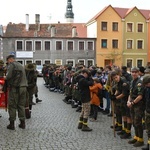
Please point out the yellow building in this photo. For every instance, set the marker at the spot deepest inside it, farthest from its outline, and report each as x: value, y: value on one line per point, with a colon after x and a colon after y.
x: 122, y: 36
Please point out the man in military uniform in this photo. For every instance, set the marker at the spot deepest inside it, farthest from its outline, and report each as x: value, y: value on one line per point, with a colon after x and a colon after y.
x: 146, y: 83
x: 31, y: 80
x: 121, y: 97
x: 17, y: 95
x: 136, y: 105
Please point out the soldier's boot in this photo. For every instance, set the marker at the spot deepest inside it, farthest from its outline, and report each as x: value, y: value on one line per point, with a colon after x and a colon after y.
x: 80, y: 123
x: 122, y: 132
x: 126, y: 136
x: 22, y: 124
x: 38, y: 100
x: 119, y: 128
x: 134, y: 140
x: 85, y: 126
x: 146, y: 147
x: 11, y: 126
x: 138, y: 143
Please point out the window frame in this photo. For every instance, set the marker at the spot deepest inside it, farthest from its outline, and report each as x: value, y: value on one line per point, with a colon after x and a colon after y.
x: 61, y: 45
x: 16, y: 45
x: 26, y: 45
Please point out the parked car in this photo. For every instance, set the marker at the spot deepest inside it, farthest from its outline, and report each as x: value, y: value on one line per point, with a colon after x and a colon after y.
x: 39, y: 70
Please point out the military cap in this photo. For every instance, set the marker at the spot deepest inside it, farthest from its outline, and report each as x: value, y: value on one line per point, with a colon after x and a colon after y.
x: 146, y: 79
x: 10, y: 56
x: 134, y: 69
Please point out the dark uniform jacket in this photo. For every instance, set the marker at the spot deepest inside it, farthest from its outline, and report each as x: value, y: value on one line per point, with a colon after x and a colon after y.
x: 84, y: 90
x: 136, y: 89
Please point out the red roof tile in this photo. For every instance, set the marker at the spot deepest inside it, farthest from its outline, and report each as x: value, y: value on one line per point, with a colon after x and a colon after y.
x: 62, y: 30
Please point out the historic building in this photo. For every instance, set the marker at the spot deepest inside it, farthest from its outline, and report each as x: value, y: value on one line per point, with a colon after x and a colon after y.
x: 60, y: 43
x: 122, y: 36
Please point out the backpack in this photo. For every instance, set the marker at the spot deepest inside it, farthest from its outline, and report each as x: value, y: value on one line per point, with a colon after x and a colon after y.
x: 17, y: 77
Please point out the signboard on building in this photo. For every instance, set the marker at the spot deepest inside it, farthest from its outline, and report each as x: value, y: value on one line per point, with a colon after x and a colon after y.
x: 24, y: 54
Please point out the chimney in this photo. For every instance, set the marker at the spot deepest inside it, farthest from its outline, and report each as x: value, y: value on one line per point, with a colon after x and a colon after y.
x: 53, y: 30
x: 27, y: 22
x: 74, y: 31
x: 37, y: 22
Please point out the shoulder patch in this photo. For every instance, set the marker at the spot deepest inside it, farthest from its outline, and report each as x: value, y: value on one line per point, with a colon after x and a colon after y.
x: 139, y: 84
x: 124, y: 84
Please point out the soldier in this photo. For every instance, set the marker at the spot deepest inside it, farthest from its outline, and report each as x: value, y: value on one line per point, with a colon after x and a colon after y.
x: 17, y: 83
x: 136, y: 105
x: 146, y: 83
x: 31, y: 79
x: 121, y: 96
x: 83, y: 83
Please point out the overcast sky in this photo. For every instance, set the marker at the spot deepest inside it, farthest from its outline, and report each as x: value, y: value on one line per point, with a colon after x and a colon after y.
x: 52, y: 11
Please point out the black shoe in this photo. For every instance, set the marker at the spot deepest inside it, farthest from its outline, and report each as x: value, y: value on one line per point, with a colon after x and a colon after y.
x: 38, y: 100
x: 138, y: 144
x: 122, y: 132
x: 132, y: 141
x: 119, y: 128
x: 126, y: 136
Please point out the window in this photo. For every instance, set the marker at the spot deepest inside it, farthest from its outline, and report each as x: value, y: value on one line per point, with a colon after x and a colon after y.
x: 47, y: 61
x: 139, y: 63
x: 104, y: 26
x: 115, y: 43
x: 47, y: 45
x: 70, y: 62
x: 58, y: 45
x: 19, y: 45
x: 81, y: 62
x: 38, y: 62
x: 104, y: 43
x: 90, y: 46
x: 90, y: 63
x: 70, y: 45
x: 129, y: 44
x: 129, y: 27
x: 38, y: 45
x: 29, y: 61
x: 129, y: 63
x: 140, y: 27
x: 29, y: 46
x: 139, y: 44
x: 81, y: 45
x: 115, y: 26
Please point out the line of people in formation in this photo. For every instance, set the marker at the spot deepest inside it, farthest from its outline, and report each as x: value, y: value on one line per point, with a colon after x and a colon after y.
x: 20, y: 87
x: 127, y: 94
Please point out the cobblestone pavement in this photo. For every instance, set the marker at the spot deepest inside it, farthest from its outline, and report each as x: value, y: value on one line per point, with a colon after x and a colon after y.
x: 53, y: 126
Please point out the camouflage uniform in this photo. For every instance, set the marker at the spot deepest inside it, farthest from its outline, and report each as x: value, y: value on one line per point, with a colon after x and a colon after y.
x: 17, y: 96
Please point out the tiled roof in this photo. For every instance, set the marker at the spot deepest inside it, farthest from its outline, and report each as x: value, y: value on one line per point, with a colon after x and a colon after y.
x: 62, y: 30
x: 122, y: 12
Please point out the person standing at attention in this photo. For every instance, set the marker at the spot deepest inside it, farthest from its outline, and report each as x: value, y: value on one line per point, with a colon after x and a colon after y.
x: 84, y: 82
x: 17, y: 84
